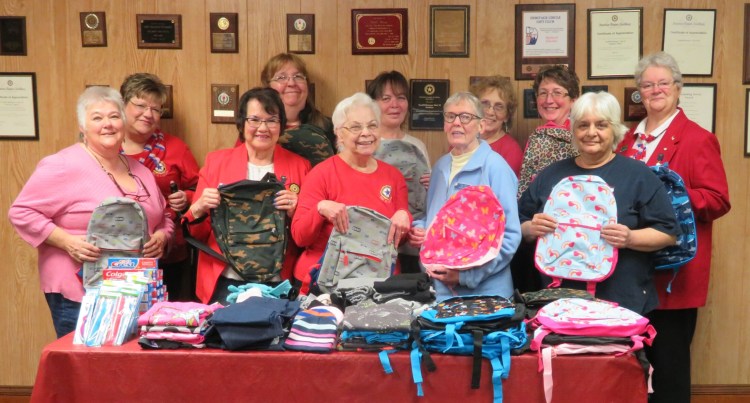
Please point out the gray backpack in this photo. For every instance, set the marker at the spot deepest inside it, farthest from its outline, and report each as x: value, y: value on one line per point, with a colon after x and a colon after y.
x: 362, y: 253
x: 118, y: 227
x: 412, y: 163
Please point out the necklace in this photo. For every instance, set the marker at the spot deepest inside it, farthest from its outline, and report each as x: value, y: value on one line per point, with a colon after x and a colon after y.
x: 119, y: 157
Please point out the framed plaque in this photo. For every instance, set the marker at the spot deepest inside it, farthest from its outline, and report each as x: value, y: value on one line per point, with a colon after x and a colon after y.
x: 300, y: 33
x: 747, y: 113
x: 93, y: 29
x: 615, y: 42
x: 594, y: 88
x: 167, y: 107
x: 426, y: 106
x: 698, y: 101
x: 475, y: 79
x: 449, y: 31
x: 224, y: 99
x: 545, y: 34
x: 18, y: 110
x: 12, y: 36
x: 689, y: 38
x: 634, y: 110
x: 530, y: 111
x: 380, y: 31
x: 223, y: 32
x: 159, y: 31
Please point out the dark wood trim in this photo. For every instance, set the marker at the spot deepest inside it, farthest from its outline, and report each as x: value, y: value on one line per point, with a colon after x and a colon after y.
x: 15, y: 390
x: 720, y: 390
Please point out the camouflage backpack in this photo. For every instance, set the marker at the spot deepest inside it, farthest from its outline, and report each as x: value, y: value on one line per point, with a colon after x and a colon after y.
x: 250, y: 231
x: 118, y: 226
x: 309, y: 142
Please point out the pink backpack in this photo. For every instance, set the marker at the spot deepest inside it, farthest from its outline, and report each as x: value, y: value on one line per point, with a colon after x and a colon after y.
x: 467, y: 231
x: 574, y: 251
x: 591, y: 318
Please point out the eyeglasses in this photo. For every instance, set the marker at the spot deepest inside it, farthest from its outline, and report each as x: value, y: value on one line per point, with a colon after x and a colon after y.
x: 142, y: 108
x: 139, y: 185
x: 556, y: 94
x: 465, y: 118
x: 497, y: 107
x: 283, y: 78
x: 662, y: 85
x: 271, y: 123
x: 357, y: 129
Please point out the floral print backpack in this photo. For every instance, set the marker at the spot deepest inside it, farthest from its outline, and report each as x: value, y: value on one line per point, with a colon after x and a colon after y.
x: 581, y: 205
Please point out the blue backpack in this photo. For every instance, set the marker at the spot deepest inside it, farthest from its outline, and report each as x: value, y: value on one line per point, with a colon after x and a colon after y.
x: 676, y: 256
x: 488, y: 326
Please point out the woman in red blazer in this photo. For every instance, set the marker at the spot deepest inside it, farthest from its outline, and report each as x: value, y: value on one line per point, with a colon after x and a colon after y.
x: 666, y: 135
x: 260, y: 119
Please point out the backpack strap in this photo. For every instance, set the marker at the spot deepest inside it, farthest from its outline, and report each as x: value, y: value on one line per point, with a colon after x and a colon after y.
x: 416, y: 369
x: 546, y: 362
x: 476, y: 368
x: 384, y: 361
x: 591, y: 288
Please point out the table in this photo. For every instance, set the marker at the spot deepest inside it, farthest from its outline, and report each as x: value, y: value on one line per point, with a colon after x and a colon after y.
x: 129, y: 374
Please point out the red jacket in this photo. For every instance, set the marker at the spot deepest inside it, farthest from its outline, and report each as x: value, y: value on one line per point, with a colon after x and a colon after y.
x: 694, y: 153
x: 228, y: 166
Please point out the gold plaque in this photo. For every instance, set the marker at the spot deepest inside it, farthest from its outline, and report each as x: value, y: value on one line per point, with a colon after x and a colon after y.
x: 223, y: 32
x: 93, y: 29
x: 300, y: 33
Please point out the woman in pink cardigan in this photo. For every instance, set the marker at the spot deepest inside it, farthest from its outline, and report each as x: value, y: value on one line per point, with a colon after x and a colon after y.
x: 53, y: 209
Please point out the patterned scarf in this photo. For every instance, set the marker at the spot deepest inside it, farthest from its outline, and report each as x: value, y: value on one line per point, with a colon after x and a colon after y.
x: 153, y: 153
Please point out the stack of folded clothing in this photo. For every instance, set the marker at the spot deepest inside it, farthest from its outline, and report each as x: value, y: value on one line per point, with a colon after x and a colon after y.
x: 409, y: 286
x: 171, y: 325
x: 314, y: 330
x: 257, y: 323
x: 373, y: 327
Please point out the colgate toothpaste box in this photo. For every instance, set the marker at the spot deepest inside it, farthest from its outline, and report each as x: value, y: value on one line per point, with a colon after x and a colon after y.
x: 132, y: 263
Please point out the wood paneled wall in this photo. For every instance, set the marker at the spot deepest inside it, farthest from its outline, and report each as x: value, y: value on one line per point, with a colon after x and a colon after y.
x: 63, y: 69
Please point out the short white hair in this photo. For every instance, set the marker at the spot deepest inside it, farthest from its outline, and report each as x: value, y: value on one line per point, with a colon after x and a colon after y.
x: 95, y: 94
x: 359, y: 99
x: 603, y: 105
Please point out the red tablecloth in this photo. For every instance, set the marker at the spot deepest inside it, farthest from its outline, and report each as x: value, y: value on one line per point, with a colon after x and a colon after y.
x: 69, y: 373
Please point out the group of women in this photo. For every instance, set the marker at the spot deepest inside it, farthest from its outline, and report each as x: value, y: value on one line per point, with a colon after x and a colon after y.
x: 580, y: 135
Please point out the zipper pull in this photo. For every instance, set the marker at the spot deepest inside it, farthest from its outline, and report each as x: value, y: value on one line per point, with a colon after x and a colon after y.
x: 346, y: 259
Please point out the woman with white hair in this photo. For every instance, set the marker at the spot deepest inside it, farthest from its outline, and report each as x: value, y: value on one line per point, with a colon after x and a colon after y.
x: 645, y: 220
x: 666, y: 135
x: 353, y: 177
x: 471, y: 162
x: 52, y: 211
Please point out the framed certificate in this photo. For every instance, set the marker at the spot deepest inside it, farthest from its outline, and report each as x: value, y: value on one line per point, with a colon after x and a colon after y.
x: 18, y: 111
x: 615, y: 42
x: 698, y: 101
x: 689, y: 38
x: 380, y: 31
x: 449, y: 31
x: 545, y: 34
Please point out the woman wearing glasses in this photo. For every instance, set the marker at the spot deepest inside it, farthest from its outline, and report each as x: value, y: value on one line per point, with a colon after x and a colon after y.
x: 499, y: 103
x: 351, y: 178
x: 53, y: 209
x: 666, y: 135
x: 171, y: 162
x: 260, y: 120
x: 556, y: 88
x: 287, y: 74
x: 471, y: 162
